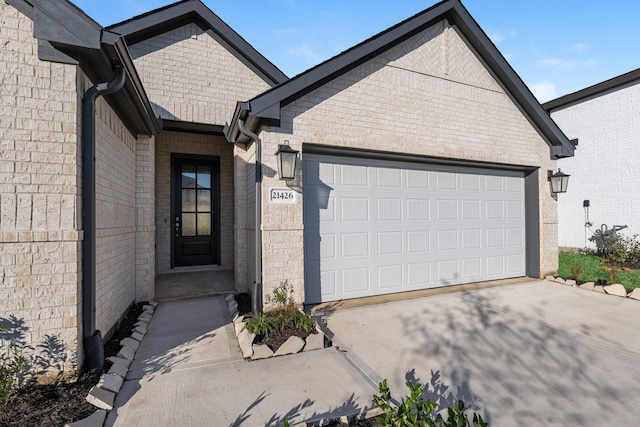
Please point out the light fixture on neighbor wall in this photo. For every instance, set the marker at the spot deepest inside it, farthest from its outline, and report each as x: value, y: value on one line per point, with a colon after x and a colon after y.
x: 559, y: 181
x: 286, y: 161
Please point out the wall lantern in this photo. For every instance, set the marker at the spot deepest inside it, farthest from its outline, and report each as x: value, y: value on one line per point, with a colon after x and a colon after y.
x: 286, y: 161
x: 559, y: 181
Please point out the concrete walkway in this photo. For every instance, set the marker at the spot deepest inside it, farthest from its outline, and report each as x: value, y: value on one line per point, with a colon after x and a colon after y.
x: 189, y: 371
x: 532, y: 354
x: 529, y: 354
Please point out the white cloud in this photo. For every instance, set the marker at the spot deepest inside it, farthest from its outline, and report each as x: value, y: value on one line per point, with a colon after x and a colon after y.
x: 306, y: 52
x: 556, y: 63
x: 580, y: 47
x: 498, y: 36
x: 544, y: 91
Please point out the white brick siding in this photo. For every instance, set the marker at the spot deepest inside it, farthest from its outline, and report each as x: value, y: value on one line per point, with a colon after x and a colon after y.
x: 189, y: 76
x: 605, y: 167
x: 39, y: 176
x: 429, y: 96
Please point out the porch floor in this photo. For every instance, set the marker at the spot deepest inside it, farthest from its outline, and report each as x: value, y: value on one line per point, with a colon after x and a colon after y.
x: 187, y: 283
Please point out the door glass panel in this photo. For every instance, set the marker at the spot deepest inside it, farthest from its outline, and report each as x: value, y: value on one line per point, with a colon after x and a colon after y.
x: 204, y: 200
x: 204, y: 177
x: 188, y: 176
x: 204, y: 224
x: 188, y: 224
x: 188, y: 200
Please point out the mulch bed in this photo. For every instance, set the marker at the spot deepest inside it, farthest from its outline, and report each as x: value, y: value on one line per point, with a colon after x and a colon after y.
x: 63, y: 402
x: 276, y: 338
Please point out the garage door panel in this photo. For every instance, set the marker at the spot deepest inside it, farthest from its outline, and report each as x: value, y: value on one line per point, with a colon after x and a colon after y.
x: 390, y: 277
x: 391, y: 227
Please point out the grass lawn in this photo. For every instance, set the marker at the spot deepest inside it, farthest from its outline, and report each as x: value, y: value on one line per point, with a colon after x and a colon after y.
x: 592, y: 270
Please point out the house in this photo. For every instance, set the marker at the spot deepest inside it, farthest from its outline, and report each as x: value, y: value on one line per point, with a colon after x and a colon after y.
x: 422, y: 162
x: 604, y: 174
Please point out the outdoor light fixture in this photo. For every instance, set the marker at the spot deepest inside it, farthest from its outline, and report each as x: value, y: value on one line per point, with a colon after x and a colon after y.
x: 559, y: 181
x: 286, y: 161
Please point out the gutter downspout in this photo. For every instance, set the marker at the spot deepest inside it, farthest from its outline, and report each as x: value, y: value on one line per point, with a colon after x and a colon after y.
x: 257, y: 286
x: 92, y: 339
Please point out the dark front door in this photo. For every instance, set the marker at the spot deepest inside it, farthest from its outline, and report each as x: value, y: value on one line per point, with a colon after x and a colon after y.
x: 195, y: 211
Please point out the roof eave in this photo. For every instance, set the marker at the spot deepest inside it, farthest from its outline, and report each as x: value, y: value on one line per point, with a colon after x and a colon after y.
x: 597, y: 89
x: 164, y: 19
x: 66, y: 34
x: 268, y: 104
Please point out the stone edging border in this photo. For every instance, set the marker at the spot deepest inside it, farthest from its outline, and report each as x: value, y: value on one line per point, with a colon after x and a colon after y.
x: 614, y: 289
x: 254, y: 352
x: 103, y: 394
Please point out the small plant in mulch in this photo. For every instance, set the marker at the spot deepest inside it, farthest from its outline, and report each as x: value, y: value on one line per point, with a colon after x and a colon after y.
x: 62, y: 400
x: 282, y: 320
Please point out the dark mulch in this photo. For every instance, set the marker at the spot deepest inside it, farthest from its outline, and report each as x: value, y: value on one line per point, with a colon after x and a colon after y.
x: 275, y: 339
x: 63, y: 402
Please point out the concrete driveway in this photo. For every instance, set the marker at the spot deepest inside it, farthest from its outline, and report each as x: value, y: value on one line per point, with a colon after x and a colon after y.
x: 529, y: 354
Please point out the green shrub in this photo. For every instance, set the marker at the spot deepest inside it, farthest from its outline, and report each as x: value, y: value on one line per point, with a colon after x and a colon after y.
x: 263, y: 324
x: 12, y: 365
x: 418, y: 411
x: 302, y: 321
x: 616, y: 249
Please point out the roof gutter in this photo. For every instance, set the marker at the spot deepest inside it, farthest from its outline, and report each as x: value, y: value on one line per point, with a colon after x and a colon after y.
x: 257, y: 285
x: 92, y: 338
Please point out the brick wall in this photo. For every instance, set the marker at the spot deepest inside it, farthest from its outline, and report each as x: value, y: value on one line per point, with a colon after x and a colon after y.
x: 145, y: 218
x: 39, y: 176
x: 169, y: 143
x: 428, y: 96
x: 189, y: 76
x: 245, y: 219
x: 605, y: 167
x: 115, y: 217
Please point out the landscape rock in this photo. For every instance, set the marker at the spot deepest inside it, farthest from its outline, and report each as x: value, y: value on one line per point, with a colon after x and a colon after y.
x: 588, y: 286
x: 239, y: 327
x: 153, y: 303
x: 245, y: 339
x: 130, y: 342
x: 141, y: 323
x: 635, y: 294
x: 126, y: 353
x: 145, y: 316
x: 94, y: 420
x: 120, y: 370
x: 111, y: 382
x: 141, y: 329
x: 261, y: 352
x: 137, y: 336
x: 121, y: 361
x: 616, y: 289
x: 290, y: 346
x: 550, y: 278
x: 148, y: 307
x: 101, y: 398
x: 238, y: 319
x: 598, y: 288
x: 559, y: 280
x: 314, y: 342
x: 570, y: 282
x: 229, y: 297
x: 233, y: 306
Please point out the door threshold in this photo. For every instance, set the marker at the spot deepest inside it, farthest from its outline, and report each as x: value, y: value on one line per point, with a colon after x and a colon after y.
x: 195, y: 268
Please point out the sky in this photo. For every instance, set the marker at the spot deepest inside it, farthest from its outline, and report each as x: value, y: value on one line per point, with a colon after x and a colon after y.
x: 556, y: 46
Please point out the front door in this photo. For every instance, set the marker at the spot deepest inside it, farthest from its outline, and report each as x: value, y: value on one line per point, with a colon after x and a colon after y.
x: 195, y: 196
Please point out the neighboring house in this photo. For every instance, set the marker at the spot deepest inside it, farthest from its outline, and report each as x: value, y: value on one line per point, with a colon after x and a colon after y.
x: 604, y: 119
x: 423, y: 163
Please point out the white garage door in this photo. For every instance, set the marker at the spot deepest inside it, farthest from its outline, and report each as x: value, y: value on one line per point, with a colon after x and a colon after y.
x: 375, y: 227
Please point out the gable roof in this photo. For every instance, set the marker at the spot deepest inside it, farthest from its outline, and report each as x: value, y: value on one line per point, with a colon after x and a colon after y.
x: 265, y: 108
x: 597, y: 89
x: 184, y: 12
x: 67, y: 35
